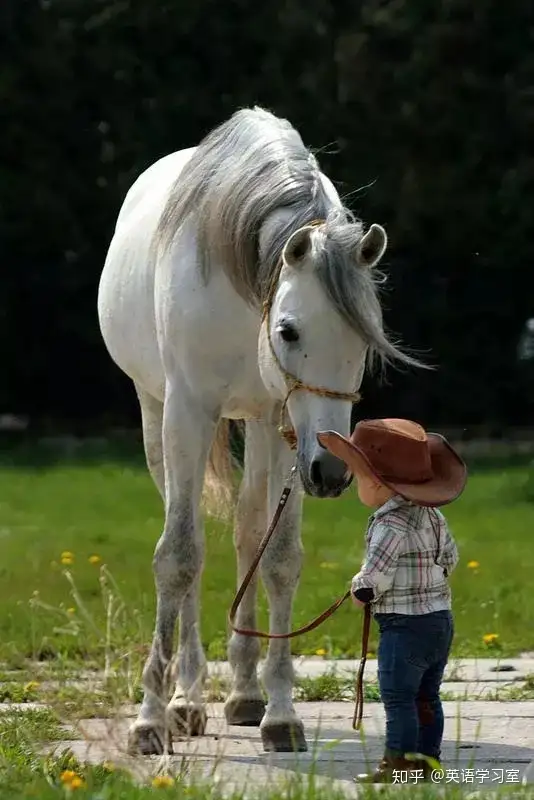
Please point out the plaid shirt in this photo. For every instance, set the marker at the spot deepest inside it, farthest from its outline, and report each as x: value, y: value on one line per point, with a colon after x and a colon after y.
x: 407, y: 562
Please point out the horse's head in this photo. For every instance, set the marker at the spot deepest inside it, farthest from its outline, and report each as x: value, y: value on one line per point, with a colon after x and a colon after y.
x: 322, y: 320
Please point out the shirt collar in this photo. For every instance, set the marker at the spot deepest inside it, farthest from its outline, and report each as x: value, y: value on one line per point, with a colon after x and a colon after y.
x: 390, y: 505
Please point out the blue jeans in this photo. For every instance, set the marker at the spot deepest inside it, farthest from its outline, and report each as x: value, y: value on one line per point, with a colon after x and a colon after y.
x: 412, y: 656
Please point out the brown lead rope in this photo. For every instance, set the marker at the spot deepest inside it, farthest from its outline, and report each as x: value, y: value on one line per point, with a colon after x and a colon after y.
x: 358, y: 708
x: 358, y: 711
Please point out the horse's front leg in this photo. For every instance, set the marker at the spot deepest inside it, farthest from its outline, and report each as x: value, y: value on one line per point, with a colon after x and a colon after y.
x: 178, y: 561
x: 245, y: 705
x: 281, y: 729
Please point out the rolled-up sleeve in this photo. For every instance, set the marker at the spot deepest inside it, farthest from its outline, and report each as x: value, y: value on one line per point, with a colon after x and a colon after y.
x: 378, y: 570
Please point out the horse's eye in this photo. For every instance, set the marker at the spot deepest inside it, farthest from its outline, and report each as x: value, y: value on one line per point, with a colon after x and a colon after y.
x: 288, y: 332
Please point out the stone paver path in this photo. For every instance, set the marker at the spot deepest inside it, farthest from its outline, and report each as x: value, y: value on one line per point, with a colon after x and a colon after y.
x: 486, y: 744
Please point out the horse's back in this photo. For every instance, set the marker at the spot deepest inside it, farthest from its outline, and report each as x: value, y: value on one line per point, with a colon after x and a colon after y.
x: 126, y: 291
x: 150, y: 190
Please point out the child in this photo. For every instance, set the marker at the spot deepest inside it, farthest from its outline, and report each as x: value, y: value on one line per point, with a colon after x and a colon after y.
x: 404, y: 473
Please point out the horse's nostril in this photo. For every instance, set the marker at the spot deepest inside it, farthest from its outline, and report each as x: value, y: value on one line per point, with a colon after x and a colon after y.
x: 315, y: 473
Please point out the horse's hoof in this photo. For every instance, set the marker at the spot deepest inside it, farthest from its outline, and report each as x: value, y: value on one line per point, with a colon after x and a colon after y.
x: 244, y: 711
x: 186, y: 720
x: 283, y: 737
x: 145, y: 739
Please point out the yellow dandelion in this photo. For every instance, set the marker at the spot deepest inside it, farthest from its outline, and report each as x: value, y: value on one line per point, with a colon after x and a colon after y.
x: 94, y: 559
x: 162, y: 782
x: 71, y: 611
x: 31, y: 686
x: 67, y: 776
x: 490, y: 638
x: 76, y: 783
x: 328, y: 565
x: 67, y: 557
x: 473, y: 565
x: 320, y: 652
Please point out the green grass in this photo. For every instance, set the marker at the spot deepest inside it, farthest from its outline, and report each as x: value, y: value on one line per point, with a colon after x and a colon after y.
x: 100, y: 500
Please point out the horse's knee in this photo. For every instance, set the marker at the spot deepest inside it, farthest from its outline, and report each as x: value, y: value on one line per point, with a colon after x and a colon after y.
x: 178, y: 558
x: 281, y: 567
x: 176, y: 572
x: 250, y: 513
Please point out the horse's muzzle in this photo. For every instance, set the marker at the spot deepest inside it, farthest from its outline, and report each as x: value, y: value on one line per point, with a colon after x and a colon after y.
x: 325, y: 476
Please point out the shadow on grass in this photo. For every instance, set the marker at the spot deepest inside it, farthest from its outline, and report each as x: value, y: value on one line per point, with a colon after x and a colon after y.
x: 503, y: 463
x: 35, y: 452
x: 125, y: 447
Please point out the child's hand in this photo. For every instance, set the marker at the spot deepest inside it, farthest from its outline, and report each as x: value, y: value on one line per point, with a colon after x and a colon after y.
x: 360, y: 597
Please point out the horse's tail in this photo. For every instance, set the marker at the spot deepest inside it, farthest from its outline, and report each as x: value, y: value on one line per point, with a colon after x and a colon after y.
x: 219, y: 492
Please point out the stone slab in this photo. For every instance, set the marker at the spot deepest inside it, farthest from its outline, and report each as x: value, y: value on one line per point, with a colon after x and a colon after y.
x: 473, y: 670
x: 495, y: 741
x: 463, y: 669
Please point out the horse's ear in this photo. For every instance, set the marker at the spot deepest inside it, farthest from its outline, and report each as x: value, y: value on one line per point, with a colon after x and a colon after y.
x: 297, y: 247
x: 371, y: 246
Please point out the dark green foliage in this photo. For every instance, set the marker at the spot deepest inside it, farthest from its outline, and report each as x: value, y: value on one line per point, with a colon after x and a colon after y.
x: 428, y: 105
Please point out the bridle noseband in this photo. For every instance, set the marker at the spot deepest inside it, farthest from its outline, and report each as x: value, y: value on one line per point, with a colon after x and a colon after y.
x: 292, y: 382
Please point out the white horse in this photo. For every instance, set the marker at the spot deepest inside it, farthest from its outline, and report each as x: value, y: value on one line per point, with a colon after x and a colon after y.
x: 204, y: 238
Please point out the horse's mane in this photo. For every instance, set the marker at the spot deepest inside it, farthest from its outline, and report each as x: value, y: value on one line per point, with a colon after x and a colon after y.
x: 242, y: 171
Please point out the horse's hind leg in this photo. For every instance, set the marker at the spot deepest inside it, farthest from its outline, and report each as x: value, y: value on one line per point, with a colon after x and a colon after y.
x: 152, y: 422
x: 178, y: 560
x: 245, y: 705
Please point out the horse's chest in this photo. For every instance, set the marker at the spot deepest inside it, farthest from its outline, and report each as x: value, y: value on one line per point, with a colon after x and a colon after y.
x: 245, y: 408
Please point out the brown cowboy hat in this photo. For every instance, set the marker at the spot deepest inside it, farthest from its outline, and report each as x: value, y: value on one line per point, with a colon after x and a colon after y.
x: 421, y: 467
